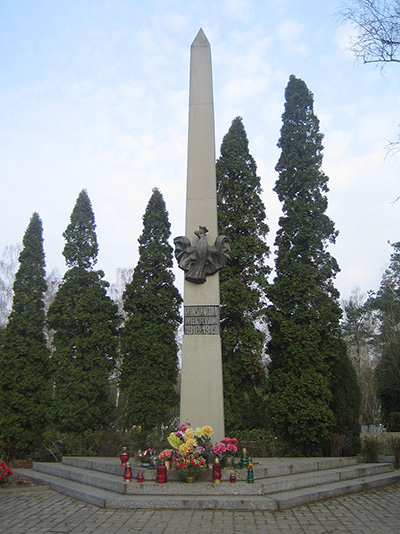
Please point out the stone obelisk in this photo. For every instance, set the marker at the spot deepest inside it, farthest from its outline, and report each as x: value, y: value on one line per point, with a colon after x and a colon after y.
x: 202, y: 385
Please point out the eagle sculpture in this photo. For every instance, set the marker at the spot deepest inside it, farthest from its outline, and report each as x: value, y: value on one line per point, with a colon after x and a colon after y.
x: 201, y: 260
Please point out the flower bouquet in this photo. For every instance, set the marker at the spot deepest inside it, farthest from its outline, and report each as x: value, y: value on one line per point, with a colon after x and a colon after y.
x: 5, y: 472
x: 145, y: 456
x: 225, y: 450
x: 167, y: 456
x: 189, y: 461
x: 190, y: 466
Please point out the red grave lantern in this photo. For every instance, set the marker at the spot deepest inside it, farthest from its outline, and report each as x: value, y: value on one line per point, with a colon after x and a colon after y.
x: 124, y: 456
x: 127, y: 472
x: 216, y: 471
x: 161, y: 472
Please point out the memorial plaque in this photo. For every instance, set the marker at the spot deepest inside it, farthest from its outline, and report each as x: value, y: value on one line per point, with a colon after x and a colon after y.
x: 201, y: 320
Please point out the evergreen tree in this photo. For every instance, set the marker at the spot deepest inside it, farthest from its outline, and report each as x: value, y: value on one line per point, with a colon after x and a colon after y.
x: 85, y: 323
x: 387, y: 305
x: 243, y: 281
x: 148, y: 345
x: 24, y: 360
x: 306, y: 348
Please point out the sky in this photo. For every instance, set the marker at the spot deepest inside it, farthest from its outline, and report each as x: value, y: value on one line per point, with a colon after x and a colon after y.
x: 94, y: 95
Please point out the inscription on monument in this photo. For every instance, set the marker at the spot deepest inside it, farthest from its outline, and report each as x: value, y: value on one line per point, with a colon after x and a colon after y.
x: 200, y: 320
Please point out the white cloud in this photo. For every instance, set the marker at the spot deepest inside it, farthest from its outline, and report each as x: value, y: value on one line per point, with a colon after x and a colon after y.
x: 291, y: 33
x: 239, y: 9
x: 175, y: 21
x: 344, y: 37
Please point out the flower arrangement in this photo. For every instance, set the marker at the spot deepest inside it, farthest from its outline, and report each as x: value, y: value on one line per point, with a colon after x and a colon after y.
x: 166, y: 454
x: 5, y: 472
x: 190, y: 446
x: 144, y: 456
x: 191, y: 465
x: 227, y: 447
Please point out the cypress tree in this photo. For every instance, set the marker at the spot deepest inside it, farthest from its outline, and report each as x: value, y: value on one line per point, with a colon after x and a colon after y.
x: 306, y: 349
x: 148, y: 345
x: 243, y: 281
x: 24, y: 360
x: 85, y: 323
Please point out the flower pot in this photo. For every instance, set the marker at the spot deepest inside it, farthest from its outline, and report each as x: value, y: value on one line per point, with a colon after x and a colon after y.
x: 190, y: 480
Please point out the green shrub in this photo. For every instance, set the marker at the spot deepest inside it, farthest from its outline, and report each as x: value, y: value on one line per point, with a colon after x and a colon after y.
x: 394, y: 443
x: 393, y: 422
x: 260, y: 443
x: 371, y: 448
x: 339, y: 444
x: 101, y: 442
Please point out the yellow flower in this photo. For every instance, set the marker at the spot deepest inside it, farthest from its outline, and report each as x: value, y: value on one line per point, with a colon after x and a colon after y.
x: 199, y: 432
x: 191, y: 443
x: 189, y: 434
x: 183, y: 449
x: 207, y: 431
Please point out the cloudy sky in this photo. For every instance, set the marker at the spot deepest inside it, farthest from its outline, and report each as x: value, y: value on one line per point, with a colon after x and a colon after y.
x: 94, y: 94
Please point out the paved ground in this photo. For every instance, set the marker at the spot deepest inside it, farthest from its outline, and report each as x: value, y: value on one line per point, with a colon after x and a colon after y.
x: 45, y: 511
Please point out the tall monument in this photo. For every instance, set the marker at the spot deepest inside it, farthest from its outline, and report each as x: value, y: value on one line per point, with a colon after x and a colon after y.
x: 201, y: 253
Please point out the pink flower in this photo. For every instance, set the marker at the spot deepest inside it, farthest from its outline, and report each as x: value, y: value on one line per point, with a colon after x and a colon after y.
x: 226, y: 440
x: 219, y: 449
x: 231, y: 447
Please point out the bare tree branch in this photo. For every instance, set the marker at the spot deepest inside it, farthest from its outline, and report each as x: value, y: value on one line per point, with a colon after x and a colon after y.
x: 378, y: 29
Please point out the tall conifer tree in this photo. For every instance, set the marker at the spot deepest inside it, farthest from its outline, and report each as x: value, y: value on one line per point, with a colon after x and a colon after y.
x: 85, y: 323
x: 241, y: 217
x: 24, y: 360
x: 148, y: 344
x: 306, y: 349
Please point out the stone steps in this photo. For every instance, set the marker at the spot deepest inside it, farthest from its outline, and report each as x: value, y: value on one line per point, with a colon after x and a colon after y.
x: 298, y: 497
x: 107, y: 481
x: 280, y: 483
x: 76, y: 490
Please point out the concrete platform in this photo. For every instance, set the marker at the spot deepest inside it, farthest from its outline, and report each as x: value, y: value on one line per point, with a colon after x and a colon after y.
x: 280, y: 483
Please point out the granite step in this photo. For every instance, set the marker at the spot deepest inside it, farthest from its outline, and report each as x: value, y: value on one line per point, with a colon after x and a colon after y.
x: 76, y: 490
x: 299, y: 497
x: 108, y: 499
x: 89, y: 477
x: 270, y: 467
x: 91, y: 481
x: 102, y: 464
x: 316, y: 478
x: 117, y: 484
x: 193, y: 502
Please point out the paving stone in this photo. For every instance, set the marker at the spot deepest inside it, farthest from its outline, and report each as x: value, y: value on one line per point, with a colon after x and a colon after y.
x: 374, y: 512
